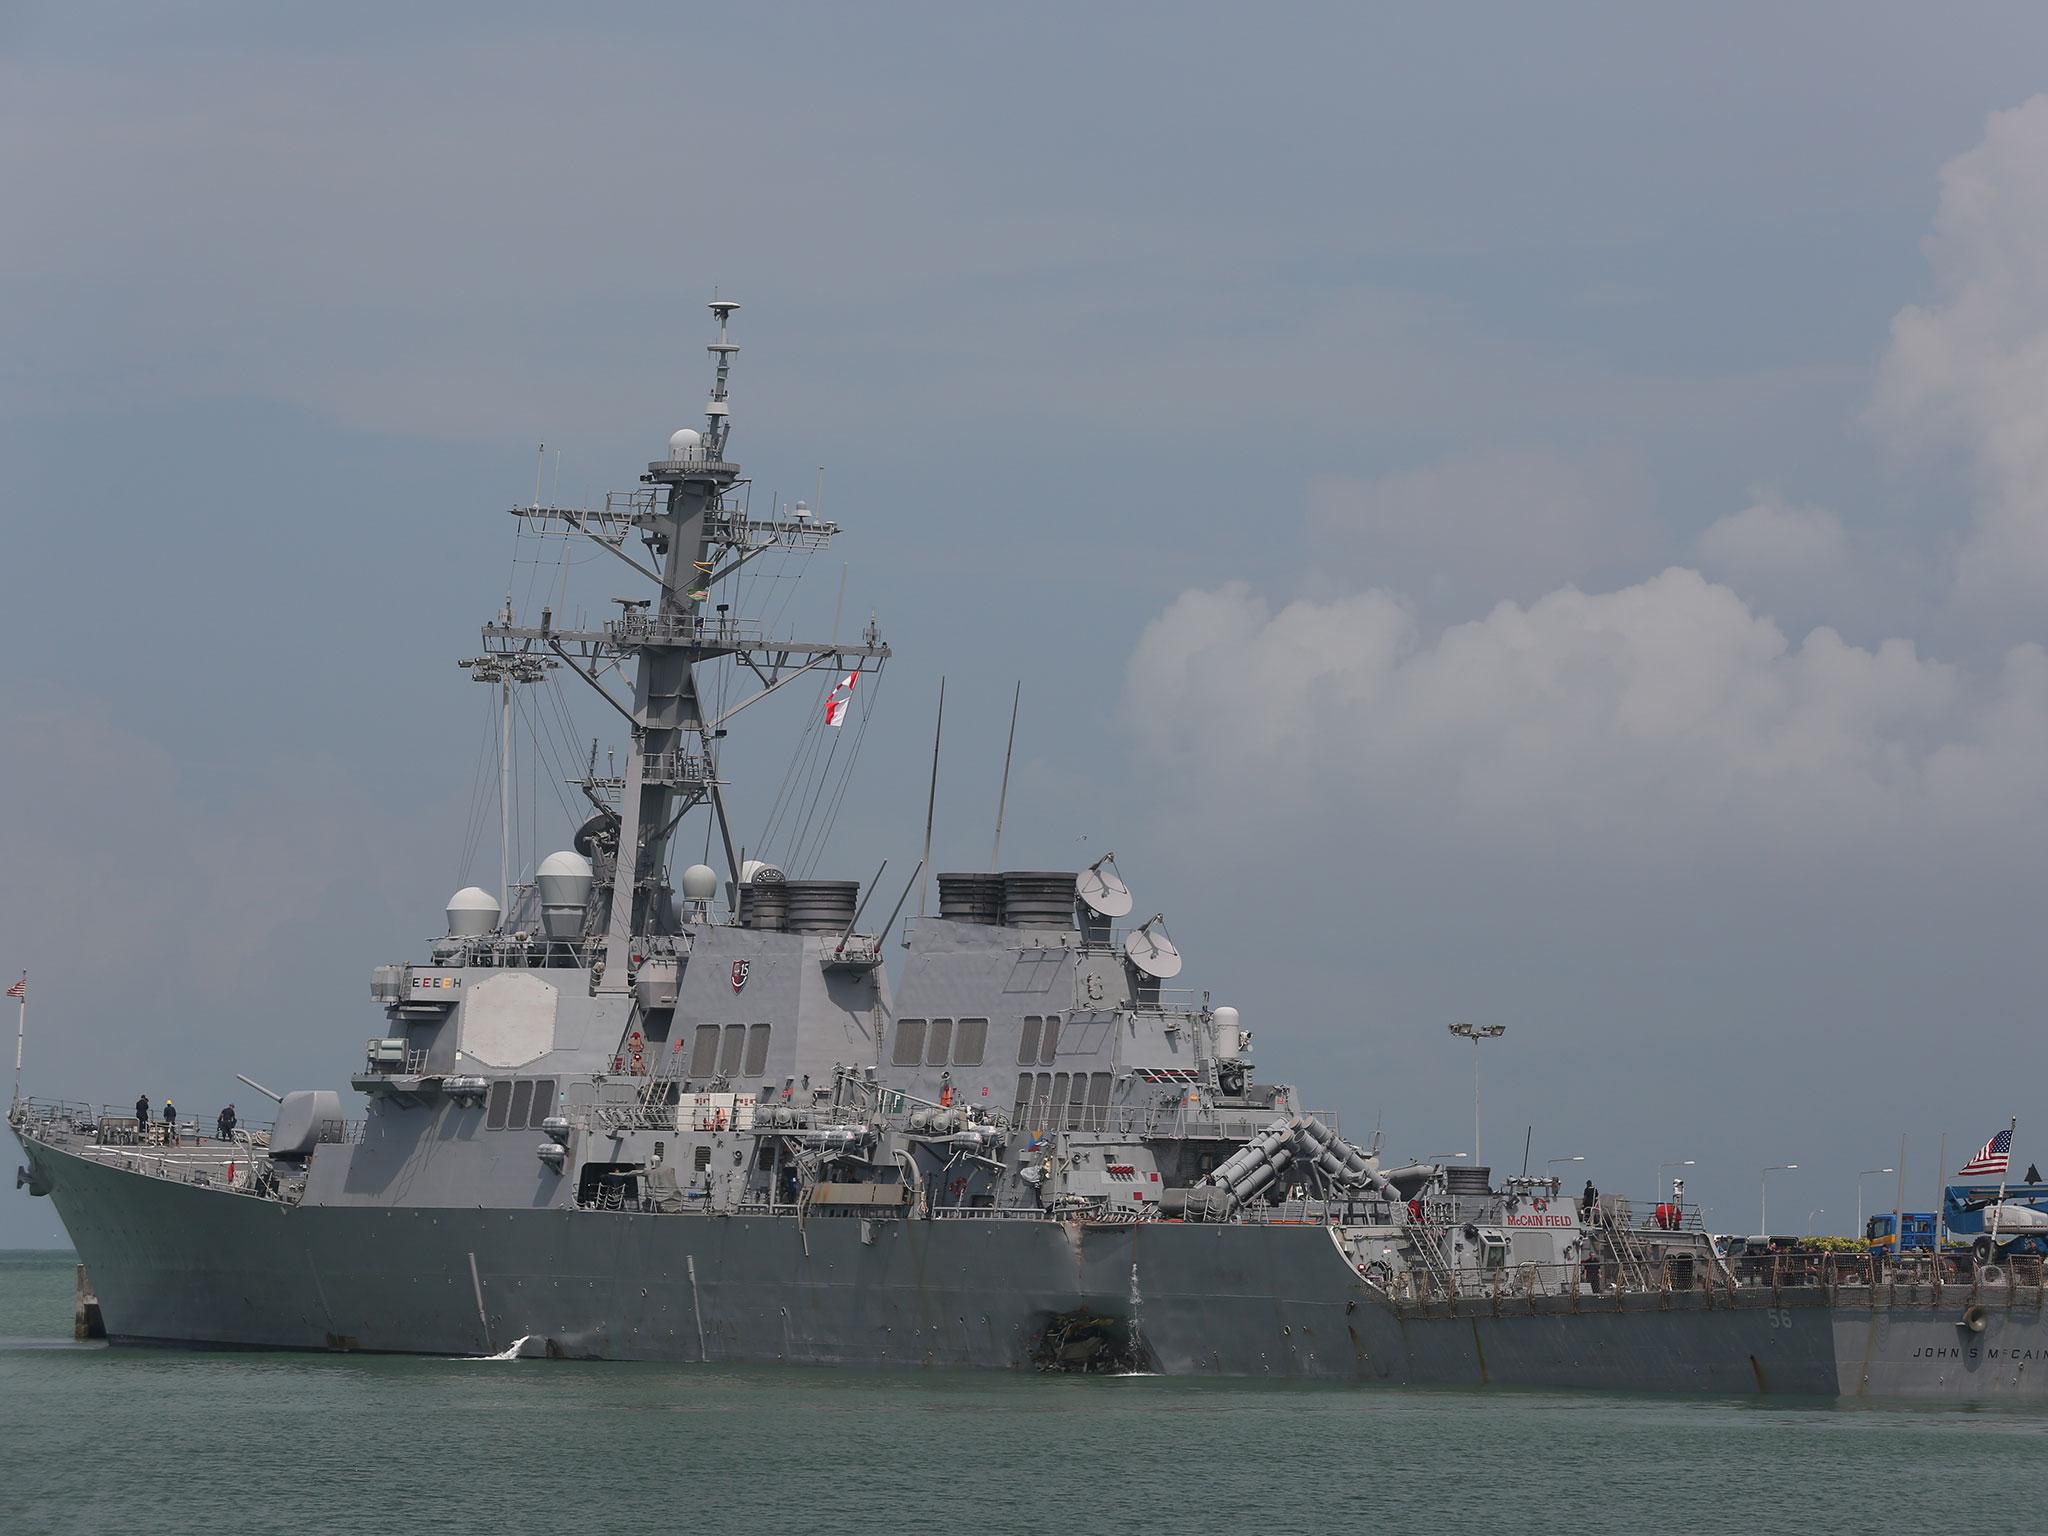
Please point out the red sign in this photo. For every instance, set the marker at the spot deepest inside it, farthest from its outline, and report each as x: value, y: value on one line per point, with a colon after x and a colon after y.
x: 739, y: 973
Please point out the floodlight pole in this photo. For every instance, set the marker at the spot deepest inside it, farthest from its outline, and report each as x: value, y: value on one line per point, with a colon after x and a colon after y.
x: 1861, y: 1175
x: 1476, y: 1033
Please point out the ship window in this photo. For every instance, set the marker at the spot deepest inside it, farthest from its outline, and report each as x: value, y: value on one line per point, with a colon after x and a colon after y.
x: 1027, y: 1043
x: 970, y: 1041
x: 909, y: 1042
x: 1076, y: 1097
x: 494, y: 1113
x: 1023, y: 1109
x: 1049, y: 1043
x: 757, y: 1050
x: 702, y: 1161
x: 543, y: 1101
x: 1098, y: 1101
x: 937, y: 1042
x: 704, y: 1052
x: 522, y: 1101
x: 735, y: 1050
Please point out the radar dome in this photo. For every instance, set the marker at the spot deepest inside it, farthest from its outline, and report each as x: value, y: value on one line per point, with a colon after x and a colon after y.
x: 563, y: 880
x: 685, y: 443
x: 1229, y: 1040
x: 700, y: 882
x: 472, y: 913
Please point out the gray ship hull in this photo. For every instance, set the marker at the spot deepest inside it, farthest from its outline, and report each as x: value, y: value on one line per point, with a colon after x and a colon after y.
x: 175, y: 1263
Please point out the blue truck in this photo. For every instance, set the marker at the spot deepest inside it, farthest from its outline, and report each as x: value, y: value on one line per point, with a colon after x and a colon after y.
x: 1879, y: 1231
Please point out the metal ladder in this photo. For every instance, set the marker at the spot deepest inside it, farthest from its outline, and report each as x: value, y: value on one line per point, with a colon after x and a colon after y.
x: 1628, y: 1254
x: 1419, y: 1240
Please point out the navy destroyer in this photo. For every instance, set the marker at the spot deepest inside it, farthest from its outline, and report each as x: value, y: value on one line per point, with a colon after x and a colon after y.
x: 630, y: 1110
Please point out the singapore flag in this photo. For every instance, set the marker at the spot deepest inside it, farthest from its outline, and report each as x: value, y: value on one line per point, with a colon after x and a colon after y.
x: 838, y: 699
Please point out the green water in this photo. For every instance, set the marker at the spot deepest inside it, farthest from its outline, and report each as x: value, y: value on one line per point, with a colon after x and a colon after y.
x: 115, y: 1440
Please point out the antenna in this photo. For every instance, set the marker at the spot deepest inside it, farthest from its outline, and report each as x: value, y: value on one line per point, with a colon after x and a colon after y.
x: 847, y: 932
x: 897, y: 910
x: 1153, y: 953
x: 717, y: 412
x: 931, y: 799
x: 540, y: 458
x: 995, y: 854
x: 1102, y: 888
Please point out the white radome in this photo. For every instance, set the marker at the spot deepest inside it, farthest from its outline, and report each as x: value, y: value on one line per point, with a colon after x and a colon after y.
x: 685, y: 443
x: 700, y: 882
x: 564, y: 880
x: 472, y: 913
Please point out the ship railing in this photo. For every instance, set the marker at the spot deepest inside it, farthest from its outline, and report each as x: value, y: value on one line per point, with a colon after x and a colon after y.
x: 686, y: 629
x: 990, y: 1213
x: 1430, y: 1277
x: 54, y: 1114
x: 115, y: 1125
x: 1193, y: 1121
x: 1333, y: 1211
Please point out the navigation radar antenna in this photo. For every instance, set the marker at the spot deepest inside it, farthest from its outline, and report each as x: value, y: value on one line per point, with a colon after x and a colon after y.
x: 1151, y: 951
x: 1102, y: 889
x: 718, y: 411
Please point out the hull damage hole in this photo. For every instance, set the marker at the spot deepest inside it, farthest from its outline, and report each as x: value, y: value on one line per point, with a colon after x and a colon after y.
x: 1084, y: 1343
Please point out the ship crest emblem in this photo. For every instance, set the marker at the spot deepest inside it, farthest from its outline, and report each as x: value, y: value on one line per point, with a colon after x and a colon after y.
x: 739, y: 973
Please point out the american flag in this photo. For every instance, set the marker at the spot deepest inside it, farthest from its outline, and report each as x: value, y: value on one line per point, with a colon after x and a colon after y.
x: 20, y: 988
x: 1994, y: 1157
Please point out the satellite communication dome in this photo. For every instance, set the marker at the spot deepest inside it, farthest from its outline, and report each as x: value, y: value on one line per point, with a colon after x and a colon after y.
x: 1229, y: 1041
x: 564, y: 881
x: 685, y: 443
x: 472, y: 913
x: 700, y: 882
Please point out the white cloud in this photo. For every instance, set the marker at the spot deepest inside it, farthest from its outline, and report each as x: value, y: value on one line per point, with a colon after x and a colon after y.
x: 1666, y: 716
x: 1770, y: 539
x: 1671, y: 716
x: 1969, y: 370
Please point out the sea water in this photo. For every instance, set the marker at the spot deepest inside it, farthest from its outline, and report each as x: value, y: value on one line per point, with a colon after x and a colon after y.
x: 98, y: 1439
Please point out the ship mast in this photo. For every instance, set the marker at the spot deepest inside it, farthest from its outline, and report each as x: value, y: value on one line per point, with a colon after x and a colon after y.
x: 696, y: 532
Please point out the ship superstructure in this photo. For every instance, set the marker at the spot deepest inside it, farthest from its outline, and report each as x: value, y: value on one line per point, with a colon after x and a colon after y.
x: 635, y: 1111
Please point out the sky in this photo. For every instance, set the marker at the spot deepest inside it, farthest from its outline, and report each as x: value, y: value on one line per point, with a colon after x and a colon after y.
x: 1532, y: 517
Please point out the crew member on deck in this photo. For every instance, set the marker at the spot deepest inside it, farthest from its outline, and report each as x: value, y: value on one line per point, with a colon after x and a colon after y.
x: 141, y: 1118
x: 1589, y: 1202
x: 170, y: 1124
x: 225, y: 1126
